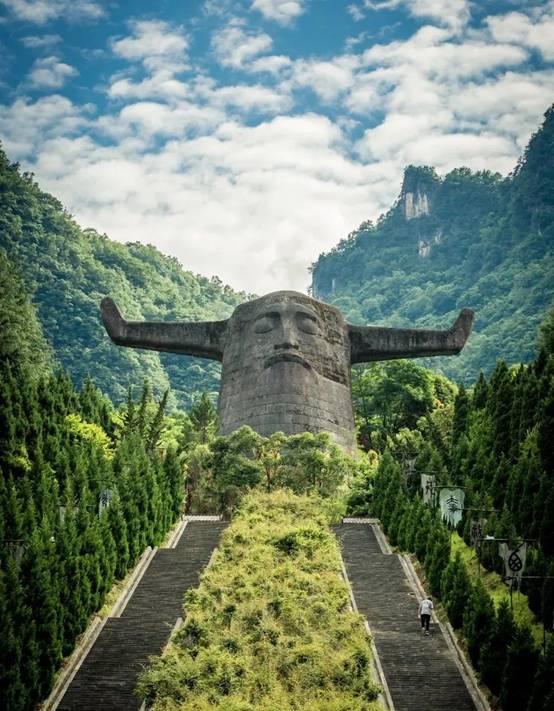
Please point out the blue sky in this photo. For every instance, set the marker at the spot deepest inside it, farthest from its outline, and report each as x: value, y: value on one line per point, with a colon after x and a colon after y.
x: 247, y: 136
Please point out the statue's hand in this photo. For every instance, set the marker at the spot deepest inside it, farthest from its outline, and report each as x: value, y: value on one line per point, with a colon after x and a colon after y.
x: 114, y: 322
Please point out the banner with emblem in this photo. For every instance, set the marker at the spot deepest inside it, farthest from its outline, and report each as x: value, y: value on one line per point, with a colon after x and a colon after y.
x: 514, y: 559
x: 429, y: 488
x: 451, y: 502
x: 104, y: 500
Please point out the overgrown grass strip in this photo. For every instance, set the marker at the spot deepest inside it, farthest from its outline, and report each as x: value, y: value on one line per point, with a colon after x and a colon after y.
x: 269, y: 628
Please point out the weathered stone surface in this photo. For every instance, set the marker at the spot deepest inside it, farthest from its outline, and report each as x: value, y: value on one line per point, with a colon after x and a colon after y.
x: 286, y: 359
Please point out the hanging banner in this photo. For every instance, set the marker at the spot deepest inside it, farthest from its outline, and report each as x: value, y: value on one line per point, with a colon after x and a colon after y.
x: 16, y: 549
x: 514, y: 559
x: 477, y: 530
x: 408, y: 466
x: 451, y: 503
x: 104, y: 500
x: 429, y: 487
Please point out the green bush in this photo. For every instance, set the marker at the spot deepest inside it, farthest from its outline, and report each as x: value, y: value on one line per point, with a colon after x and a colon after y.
x: 269, y: 627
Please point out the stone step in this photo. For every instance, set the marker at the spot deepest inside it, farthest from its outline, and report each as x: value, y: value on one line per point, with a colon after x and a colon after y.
x: 421, y: 672
x: 107, y: 677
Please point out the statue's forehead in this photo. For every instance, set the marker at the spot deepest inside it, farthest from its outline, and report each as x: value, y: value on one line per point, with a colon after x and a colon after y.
x: 283, y: 300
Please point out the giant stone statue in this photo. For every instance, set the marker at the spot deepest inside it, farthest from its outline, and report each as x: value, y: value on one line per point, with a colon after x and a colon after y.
x: 286, y: 359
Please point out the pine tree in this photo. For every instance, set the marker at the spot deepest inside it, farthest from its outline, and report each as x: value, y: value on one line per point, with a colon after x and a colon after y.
x: 462, y: 408
x: 478, y: 621
x: 203, y: 417
x: 542, y: 694
x: 493, y: 654
x: 480, y: 392
x: 156, y: 426
x: 519, y: 671
x: 40, y: 596
x: 437, y: 559
x: 455, y: 590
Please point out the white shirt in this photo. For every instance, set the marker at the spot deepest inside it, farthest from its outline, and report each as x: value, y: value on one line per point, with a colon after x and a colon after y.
x: 425, y: 607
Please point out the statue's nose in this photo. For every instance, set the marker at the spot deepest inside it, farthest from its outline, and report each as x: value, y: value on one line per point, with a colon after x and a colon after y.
x: 288, y: 339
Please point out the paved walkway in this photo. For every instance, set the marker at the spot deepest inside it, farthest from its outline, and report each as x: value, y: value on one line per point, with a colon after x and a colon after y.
x: 420, y: 671
x: 108, y: 675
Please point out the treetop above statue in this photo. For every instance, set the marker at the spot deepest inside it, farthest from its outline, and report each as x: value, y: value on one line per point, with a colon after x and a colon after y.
x: 286, y: 358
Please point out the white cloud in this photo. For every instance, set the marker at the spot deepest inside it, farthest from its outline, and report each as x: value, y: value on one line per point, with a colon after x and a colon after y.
x: 154, y: 43
x: 234, y: 46
x: 41, y: 41
x: 282, y: 11
x: 431, y: 51
x: 43, y: 11
x: 25, y: 125
x: 240, y: 201
x: 327, y: 79
x: 520, y: 29
x: 219, y: 175
x: 50, y: 73
x: 451, y: 13
x: 250, y: 98
x: 355, y: 12
x: 272, y: 64
x: 162, y: 84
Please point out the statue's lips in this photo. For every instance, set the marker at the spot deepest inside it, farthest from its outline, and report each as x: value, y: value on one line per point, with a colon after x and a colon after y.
x: 286, y: 357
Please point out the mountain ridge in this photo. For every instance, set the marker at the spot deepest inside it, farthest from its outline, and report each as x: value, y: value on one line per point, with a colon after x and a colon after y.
x: 467, y: 239
x: 68, y: 270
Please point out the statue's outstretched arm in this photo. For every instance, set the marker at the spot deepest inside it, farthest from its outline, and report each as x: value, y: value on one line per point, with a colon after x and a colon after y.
x: 204, y: 339
x: 369, y: 343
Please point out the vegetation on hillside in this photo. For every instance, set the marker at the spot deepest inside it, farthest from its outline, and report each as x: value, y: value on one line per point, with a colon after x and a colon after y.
x: 486, y: 243
x: 269, y: 627
x: 495, y: 441
x: 67, y: 270
x: 82, y: 493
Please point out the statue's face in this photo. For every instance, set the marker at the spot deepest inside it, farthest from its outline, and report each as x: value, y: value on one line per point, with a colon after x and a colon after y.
x: 289, y: 328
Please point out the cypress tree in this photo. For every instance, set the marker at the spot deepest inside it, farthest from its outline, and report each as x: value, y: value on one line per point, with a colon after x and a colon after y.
x: 455, y: 590
x: 494, y: 652
x: 437, y: 559
x: 460, y: 420
x: 542, y: 693
x: 519, y: 671
x: 478, y: 621
x: 480, y: 392
x: 40, y: 595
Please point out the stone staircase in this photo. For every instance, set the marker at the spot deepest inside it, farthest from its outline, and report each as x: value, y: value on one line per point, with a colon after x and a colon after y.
x: 421, y: 672
x: 107, y: 677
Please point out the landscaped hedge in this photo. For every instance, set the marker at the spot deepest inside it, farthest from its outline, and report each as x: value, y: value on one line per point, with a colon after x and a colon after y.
x: 269, y: 626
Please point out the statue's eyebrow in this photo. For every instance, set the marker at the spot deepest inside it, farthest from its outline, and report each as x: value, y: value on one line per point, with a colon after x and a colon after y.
x: 305, y: 311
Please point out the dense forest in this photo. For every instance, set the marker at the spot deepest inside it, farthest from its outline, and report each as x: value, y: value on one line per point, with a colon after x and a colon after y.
x: 68, y: 270
x: 465, y: 239
x: 495, y: 441
x: 82, y: 493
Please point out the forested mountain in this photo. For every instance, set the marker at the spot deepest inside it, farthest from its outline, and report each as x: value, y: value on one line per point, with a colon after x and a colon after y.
x: 68, y: 270
x: 465, y: 239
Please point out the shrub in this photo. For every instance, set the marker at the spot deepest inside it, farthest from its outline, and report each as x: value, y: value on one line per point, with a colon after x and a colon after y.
x: 269, y: 626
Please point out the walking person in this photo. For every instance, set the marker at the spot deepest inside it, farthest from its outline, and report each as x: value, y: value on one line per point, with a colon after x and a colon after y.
x: 425, y: 610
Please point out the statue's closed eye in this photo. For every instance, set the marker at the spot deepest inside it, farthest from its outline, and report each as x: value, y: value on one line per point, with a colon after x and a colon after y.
x: 307, y: 323
x: 265, y: 323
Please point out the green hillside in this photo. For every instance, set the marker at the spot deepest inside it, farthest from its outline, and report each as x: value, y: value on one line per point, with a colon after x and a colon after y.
x: 465, y: 239
x: 68, y: 270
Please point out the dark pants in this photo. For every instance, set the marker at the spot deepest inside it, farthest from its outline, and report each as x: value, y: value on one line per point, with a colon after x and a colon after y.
x: 425, y: 622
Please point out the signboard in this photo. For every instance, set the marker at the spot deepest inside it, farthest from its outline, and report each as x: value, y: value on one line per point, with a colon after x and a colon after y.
x: 104, y: 500
x: 429, y: 488
x: 451, y: 503
x: 514, y: 559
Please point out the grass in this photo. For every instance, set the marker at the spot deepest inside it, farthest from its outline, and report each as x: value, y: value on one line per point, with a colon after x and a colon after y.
x: 497, y: 587
x: 269, y: 628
